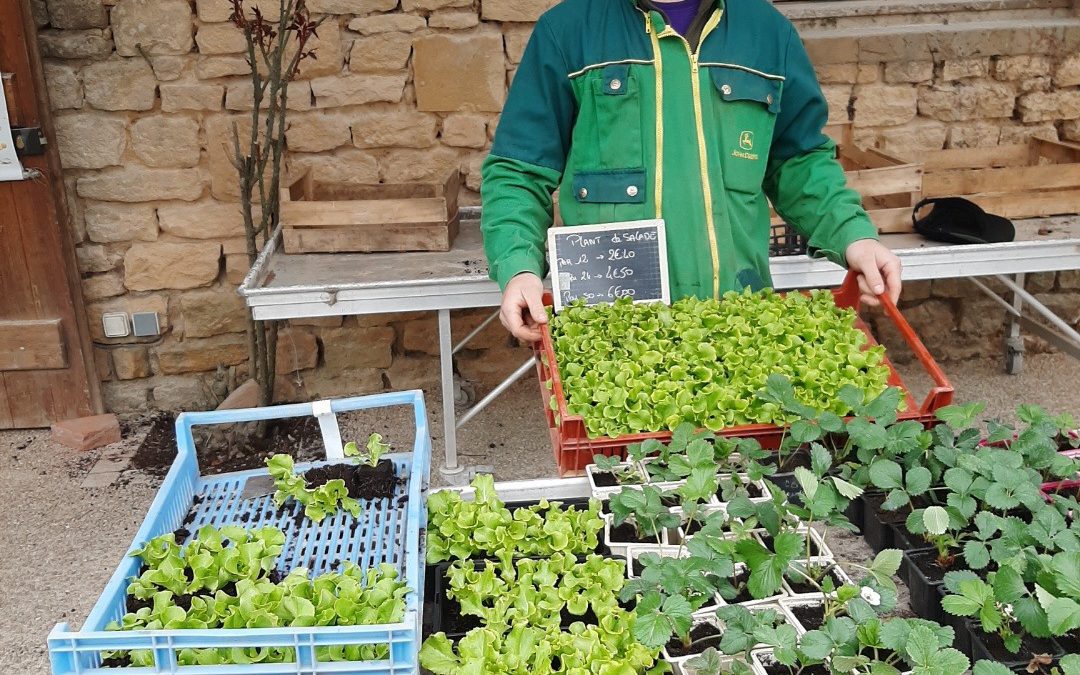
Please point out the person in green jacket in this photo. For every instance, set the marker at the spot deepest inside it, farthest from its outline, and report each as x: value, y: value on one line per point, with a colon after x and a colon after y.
x: 634, y: 110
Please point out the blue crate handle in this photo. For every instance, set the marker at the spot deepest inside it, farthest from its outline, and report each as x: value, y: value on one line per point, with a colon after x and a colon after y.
x: 69, y: 651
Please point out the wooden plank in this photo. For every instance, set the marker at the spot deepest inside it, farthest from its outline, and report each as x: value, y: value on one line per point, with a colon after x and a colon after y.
x: 430, y: 237
x: 1056, y: 151
x: 1010, y: 179
x: 892, y: 221
x: 32, y: 345
x: 885, y: 181
x: 379, y: 192
x: 975, y: 158
x: 1030, y: 205
x: 6, y: 420
x: 375, y: 212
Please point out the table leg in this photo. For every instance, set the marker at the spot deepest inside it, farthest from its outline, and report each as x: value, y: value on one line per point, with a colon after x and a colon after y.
x: 1014, y: 342
x: 446, y: 362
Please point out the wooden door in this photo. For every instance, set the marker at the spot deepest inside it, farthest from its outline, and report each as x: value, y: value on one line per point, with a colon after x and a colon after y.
x: 46, y: 359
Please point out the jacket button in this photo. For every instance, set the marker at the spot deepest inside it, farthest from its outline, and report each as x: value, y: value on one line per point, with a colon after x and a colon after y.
x: 726, y: 89
x: 616, y: 84
x: 631, y: 190
x: 769, y: 99
x: 583, y: 193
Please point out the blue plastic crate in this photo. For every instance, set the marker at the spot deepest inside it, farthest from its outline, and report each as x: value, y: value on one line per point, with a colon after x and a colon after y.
x: 386, y: 531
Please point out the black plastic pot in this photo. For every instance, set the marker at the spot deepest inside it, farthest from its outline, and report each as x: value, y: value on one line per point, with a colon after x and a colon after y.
x: 903, y: 539
x: 989, y: 647
x: 876, y: 522
x: 924, y: 577
x: 790, y: 485
x: 854, y: 513
x: 1069, y: 644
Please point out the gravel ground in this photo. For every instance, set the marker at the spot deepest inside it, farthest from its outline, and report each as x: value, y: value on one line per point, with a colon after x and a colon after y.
x: 64, y: 529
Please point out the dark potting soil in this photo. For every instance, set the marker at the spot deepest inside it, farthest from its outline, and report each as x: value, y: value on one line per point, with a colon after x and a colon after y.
x: 362, y: 481
x: 702, y: 636
x: 121, y: 661
x: 810, y: 616
x: 739, y: 581
x: 628, y: 533
x: 773, y: 668
x: 872, y: 503
x: 790, y: 485
x: 588, y: 618
x: 800, y: 585
x: 454, y: 622
x: 753, y: 491
x: 1070, y: 644
x: 158, y: 448
x: 637, y: 567
x: 1029, y: 648
x: 670, y: 501
x: 927, y: 562
x: 788, y: 463
x: 604, y: 479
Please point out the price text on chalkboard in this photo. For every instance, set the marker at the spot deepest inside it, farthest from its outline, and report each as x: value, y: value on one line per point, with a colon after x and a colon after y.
x: 602, y: 263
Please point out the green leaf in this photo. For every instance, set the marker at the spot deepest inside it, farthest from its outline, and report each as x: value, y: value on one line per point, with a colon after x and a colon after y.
x: 807, y: 481
x: 886, y: 474
x: 918, y: 480
x: 921, y: 646
x: 848, y: 490
x: 816, y: 645
x: 886, y: 563
x: 936, y: 520
x: 437, y: 655
x: 958, y: 605
x: 989, y: 668
x: 1008, y: 585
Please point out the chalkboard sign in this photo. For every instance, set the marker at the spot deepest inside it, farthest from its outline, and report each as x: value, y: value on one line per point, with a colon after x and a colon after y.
x: 601, y: 263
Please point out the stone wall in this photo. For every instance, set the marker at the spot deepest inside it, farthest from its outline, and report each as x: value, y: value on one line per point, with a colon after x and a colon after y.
x: 145, y: 92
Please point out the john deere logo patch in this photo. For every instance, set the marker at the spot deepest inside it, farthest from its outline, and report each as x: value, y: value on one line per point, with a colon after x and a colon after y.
x: 746, y: 140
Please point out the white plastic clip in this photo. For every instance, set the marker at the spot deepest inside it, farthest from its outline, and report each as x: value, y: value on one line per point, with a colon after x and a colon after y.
x: 328, y: 425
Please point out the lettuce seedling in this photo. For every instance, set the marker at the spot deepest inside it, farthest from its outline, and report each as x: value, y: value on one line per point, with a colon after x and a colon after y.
x: 318, y: 502
x: 372, y: 453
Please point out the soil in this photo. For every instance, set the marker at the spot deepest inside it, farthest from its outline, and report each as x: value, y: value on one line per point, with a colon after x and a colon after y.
x: 226, y: 448
x: 739, y: 580
x: 702, y: 636
x: 670, y: 501
x: 604, y: 479
x: 588, y: 618
x: 790, y: 485
x: 810, y: 616
x: 1029, y: 647
x: 773, y: 668
x: 800, y: 457
x: 362, y: 481
x: 122, y: 661
x: 753, y: 491
x: 637, y: 567
x: 693, y: 527
x: 454, y: 623
x: 627, y: 533
x: 927, y: 563
x: 806, y: 587
x: 872, y: 504
x: 1070, y: 644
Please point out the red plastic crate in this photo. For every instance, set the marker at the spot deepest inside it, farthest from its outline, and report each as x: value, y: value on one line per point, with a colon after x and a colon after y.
x: 574, y: 449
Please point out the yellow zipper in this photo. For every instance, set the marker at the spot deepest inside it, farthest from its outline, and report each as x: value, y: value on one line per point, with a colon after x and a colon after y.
x: 703, y: 159
x: 658, y: 76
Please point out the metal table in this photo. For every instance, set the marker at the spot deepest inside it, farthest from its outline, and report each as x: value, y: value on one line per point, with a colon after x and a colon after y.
x: 282, y: 286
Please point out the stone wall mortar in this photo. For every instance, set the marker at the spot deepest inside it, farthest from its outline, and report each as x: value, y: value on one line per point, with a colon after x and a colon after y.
x: 145, y: 92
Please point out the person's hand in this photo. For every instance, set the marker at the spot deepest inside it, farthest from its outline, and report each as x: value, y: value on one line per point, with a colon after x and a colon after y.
x: 522, y: 309
x: 878, y: 268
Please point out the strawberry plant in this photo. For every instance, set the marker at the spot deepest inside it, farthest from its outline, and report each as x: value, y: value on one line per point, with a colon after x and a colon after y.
x: 619, y: 472
x: 629, y: 368
x: 644, y: 511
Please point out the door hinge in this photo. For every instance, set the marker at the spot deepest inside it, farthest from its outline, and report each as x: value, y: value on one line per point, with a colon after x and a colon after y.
x: 28, y: 141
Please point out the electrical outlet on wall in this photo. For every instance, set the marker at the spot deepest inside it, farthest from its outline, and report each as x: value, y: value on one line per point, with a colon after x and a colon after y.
x: 115, y: 324
x: 145, y: 324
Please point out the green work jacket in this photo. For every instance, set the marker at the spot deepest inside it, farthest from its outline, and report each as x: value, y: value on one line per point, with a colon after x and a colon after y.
x: 631, y: 121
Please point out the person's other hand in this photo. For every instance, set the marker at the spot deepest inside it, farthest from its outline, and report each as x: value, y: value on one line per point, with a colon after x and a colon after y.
x: 522, y: 309
x: 878, y: 268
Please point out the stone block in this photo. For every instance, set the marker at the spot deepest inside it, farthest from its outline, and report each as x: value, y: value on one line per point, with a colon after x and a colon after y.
x: 422, y: 336
x: 216, y: 11
x: 917, y: 135
x: 884, y: 105
x: 209, y: 67
x: 154, y: 26
x: 94, y: 258
x: 1011, y: 68
x: 833, y: 49
x: 1050, y: 106
x: 110, y: 222
x: 136, y: 184
x: 124, y: 396
x: 489, y: 368
x: 413, y: 372
x: 244, y: 396
x: 205, y: 220
x: 1068, y: 72
x: 131, y: 363
x: 347, y: 165
x: 1069, y: 280
x: 1039, y: 282
x: 407, y: 166
x: 166, y: 141
x: 974, y: 135
x: 350, y: 6
x: 93, y: 43
x: 380, y: 52
x: 827, y: 73
x: 182, y: 393
x: 102, y: 364
x: 1070, y: 131
x: 464, y: 131
x: 101, y: 286
x: 462, y: 73
x: 87, y: 433
x: 236, y: 268
x: 329, y: 55
x: 332, y: 92
x: 318, y: 321
x: 515, y: 38
x: 429, y: 5
x: 387, y: 23
x: 914, y: 291
x: 120, y: 84
x: 220, y: 38
x: 472, y: 168
x: 960, y: 69
x: 149, y: 267
x: 201, y: 355
x: 168, y: 68
x: 967, y: 100
x: 68, y: 14
x: 454, y: 19
x: 838, y: 98
x: 909, y: 71
x: 187, y: 96
x: 297, y: 350
x: 1066, y: 305
x: 62, y: 83
x: 515, y: 10
x: 241, y: 96
x: 39, y: 12
x: 90, y: 140
x: 1016, y: 134
x: 356, y: 348
x: 393, y: 129
x: 349, y: 383
x: 317, y: 132
x: 213, y: 311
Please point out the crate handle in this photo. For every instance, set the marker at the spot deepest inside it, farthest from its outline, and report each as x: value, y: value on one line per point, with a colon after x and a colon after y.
x: 942, y: 393
x: 331, y: 432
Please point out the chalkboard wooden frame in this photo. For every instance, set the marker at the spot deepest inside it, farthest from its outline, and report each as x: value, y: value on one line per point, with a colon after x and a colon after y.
x: 657, y: 224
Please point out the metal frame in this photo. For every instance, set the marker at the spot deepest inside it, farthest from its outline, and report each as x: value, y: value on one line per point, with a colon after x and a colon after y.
x: 922, y: 260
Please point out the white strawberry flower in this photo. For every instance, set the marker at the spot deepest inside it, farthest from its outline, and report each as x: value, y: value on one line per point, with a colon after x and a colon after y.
x: 872, y: 597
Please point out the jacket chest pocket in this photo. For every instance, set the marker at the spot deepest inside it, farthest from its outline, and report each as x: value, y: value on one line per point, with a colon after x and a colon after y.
x: 607, y: 134
x: 746, y: 107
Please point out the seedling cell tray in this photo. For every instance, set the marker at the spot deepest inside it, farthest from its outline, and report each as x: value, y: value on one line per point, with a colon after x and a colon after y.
x: 386, y: 531
x: 574, y: 449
